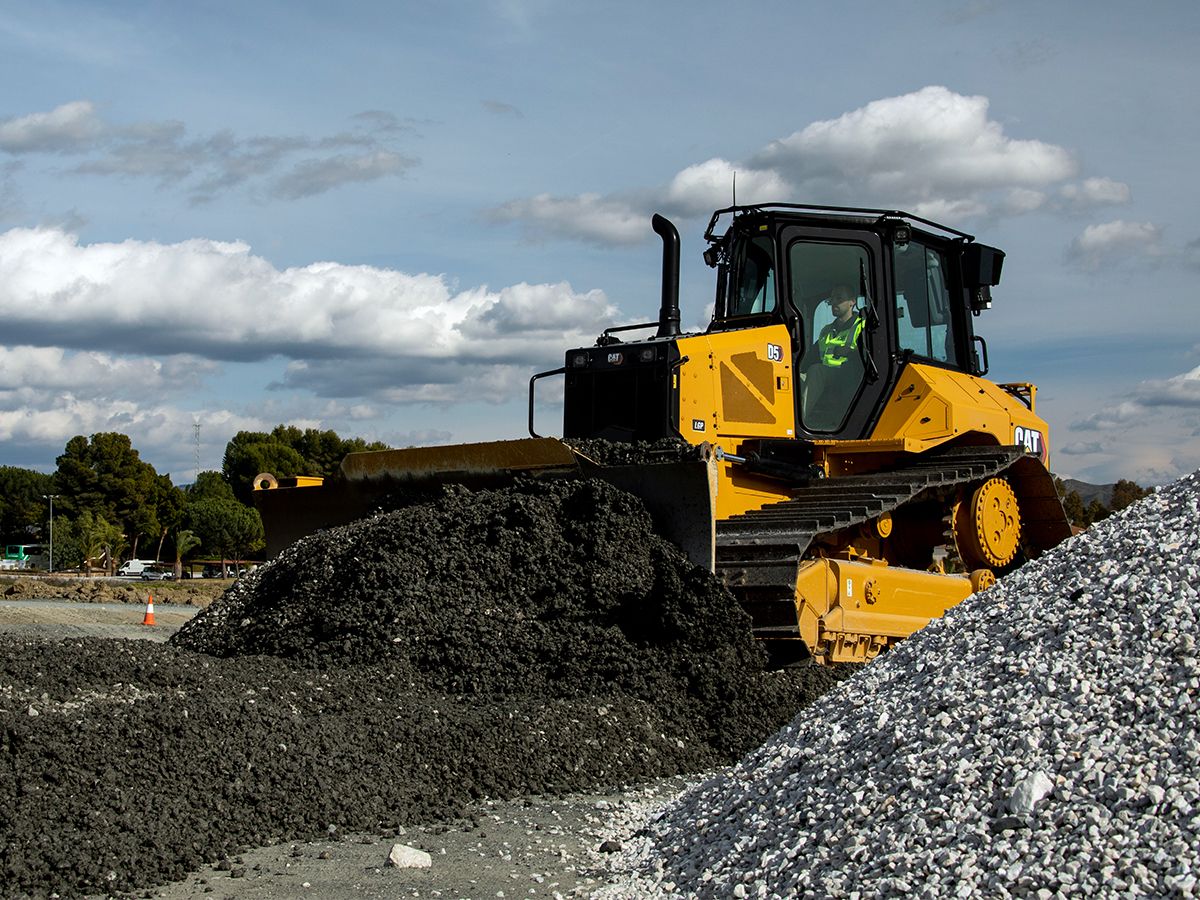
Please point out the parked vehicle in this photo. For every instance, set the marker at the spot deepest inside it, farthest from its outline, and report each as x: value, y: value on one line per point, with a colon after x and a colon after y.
x: 157, y: 573
x: 134, y: 566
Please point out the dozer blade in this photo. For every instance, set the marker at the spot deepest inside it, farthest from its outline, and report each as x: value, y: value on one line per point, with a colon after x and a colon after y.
x: 493, y: 462
x: 680, y: 496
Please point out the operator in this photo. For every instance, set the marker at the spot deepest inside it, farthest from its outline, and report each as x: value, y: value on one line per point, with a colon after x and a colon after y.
x: 839, y: 339
x: 832, y: 368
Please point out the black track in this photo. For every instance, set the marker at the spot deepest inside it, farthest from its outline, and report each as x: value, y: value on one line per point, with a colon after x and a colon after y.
x: 759, y: 553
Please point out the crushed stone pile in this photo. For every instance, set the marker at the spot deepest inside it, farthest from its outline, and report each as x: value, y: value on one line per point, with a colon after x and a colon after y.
x: 1039, y: 741
x: 540, y: 639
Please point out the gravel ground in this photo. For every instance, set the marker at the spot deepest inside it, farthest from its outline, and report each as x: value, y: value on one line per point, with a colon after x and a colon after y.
x: 1038, y: 741
x: 489, y: 646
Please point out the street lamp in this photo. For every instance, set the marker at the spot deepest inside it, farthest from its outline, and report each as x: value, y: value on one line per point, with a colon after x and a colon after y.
x: 51, y: 497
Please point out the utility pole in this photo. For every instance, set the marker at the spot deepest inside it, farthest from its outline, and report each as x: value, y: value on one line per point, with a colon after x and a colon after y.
x: 51, y: 497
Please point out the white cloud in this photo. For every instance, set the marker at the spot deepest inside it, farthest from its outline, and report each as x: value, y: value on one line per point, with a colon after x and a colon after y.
x: 932, y: 152
x: 1095, y: 192
x: 218, y: 300
x: 706, y: 186
x: 918, y: 147
x: 207, y: 164
x: 1178, y: 391
x: 37, y: 372
x: 71, y: 127
x: 316, y: 176
x: 587, y: 217
x: 1112, y: 243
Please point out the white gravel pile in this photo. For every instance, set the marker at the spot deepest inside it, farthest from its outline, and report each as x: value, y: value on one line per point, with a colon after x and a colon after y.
x: 1039, y: 741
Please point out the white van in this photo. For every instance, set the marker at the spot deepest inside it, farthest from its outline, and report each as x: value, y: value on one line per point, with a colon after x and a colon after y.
x: 134, y: 566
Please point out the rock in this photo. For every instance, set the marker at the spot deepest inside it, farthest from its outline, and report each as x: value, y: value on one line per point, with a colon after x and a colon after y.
x: 1028, y: 792
x: 403, y: 856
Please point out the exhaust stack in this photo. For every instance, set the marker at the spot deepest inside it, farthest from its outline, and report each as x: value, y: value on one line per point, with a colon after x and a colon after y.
x: 668, y: 314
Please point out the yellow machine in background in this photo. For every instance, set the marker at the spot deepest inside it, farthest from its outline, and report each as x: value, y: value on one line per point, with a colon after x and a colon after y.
x: 854, y: 473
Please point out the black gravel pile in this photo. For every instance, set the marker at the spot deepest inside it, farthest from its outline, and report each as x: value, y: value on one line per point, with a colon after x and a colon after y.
x: 539, y: 639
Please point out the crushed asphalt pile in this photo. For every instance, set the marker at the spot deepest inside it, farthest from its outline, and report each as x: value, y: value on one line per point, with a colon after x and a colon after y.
x: 532, y: 640
x: 1039, y: 741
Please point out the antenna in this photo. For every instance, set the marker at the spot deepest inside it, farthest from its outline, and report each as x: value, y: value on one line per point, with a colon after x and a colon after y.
x: 735, y: 187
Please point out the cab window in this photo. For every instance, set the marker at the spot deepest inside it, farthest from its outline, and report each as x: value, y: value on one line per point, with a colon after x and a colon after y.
x: 830, y: 289
x: 924, y: 324
x: 754, y: 291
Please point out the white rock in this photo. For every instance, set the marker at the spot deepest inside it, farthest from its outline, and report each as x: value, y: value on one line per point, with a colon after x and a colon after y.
x: 403, y: 856
x: 1027, y: 794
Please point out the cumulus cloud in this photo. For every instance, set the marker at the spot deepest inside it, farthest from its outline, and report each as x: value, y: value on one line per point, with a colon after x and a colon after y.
x: 1151, y: 434
x: 933, y: 152
x: 926, y: 145
x: 126, y: 336
x: 127, y: 297
x: 1112, y: 243
x: 1162, y: 396
x: 205, y: 165
x: 1093, y: 192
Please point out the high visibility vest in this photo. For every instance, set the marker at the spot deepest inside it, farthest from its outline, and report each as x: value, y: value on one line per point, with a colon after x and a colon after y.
x: 836, y: 342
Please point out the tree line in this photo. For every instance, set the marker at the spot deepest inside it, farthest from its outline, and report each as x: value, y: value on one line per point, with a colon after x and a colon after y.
x: 110, y: 504
x: 1124, y: 493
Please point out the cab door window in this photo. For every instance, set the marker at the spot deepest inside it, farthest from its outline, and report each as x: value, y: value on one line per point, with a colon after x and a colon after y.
x: 924, y: 323
x: 830, y: 289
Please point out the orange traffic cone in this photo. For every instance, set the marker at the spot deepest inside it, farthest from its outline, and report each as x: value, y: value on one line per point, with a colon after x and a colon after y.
x: 148, y: 619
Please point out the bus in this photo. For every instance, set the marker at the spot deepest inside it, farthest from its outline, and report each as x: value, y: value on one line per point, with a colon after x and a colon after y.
x: 25, y: 556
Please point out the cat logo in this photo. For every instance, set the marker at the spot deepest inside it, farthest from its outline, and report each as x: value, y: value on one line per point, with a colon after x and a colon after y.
x: 615, y: 359
x: 1031, y: 439
x: 774, y: 353
x: 697, y: 424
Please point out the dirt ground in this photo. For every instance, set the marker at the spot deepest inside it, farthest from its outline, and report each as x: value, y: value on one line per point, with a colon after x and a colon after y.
x: 531, y: 847
x: 536, y: 847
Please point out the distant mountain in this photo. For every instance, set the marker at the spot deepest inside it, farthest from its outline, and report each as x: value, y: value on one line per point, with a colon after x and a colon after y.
x: 1089, y: 492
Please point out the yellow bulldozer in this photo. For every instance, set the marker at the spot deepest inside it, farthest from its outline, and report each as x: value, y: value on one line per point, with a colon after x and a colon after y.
x: 847, y: 470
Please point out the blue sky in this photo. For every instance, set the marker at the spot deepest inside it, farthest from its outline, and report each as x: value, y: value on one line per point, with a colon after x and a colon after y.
x: 382, y: 218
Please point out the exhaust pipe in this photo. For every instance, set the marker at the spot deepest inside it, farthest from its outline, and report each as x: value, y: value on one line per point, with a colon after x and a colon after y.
x: 668, y: 314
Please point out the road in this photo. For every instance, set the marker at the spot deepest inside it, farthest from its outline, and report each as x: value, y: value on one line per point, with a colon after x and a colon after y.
x: 54, y: 619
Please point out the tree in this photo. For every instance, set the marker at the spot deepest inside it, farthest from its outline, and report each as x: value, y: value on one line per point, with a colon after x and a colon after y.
x: 24, y: 510
x: 1073, y: 507
x: 1126, y: 492
x: 100, y: 543
x: 226, y: 528
x: 106, y: 477
x: 252, y: 452
x: 209, y: 486
x: 1096, y: 512
x: 185, y: 542
x: 286, y: 451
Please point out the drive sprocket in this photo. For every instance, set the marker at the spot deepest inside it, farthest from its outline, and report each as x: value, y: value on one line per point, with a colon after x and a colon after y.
x: 987, y: 526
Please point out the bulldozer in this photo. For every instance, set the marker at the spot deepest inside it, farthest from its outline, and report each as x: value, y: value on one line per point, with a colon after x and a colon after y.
x: 829, y: 445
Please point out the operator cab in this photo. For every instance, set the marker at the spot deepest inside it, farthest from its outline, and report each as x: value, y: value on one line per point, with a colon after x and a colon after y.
x: 860, y: 291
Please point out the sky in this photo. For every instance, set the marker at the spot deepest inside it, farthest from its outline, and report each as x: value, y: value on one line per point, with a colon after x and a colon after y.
x: 383, y: 217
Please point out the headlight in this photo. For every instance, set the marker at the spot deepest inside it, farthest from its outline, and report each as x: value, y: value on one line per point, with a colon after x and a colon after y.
x: 579, y: 360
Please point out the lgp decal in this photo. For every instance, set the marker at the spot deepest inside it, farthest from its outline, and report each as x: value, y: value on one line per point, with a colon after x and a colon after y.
x: 1031, y: 439
x: 774, y: 353
x: 697, y: 424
